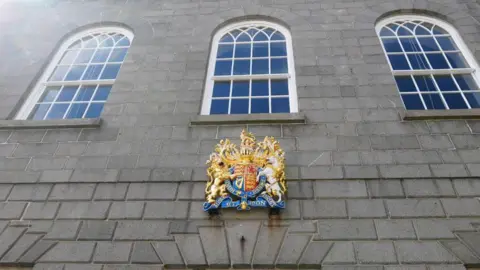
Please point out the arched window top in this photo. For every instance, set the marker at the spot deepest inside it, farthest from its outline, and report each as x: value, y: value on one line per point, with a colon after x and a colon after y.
x: 432, y: 66
x: 251, y: 70
x: 80, y: 76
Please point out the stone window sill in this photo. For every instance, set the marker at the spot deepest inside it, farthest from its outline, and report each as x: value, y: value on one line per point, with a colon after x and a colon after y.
x: 61, y: 123
x: 242, y: 119
x: 441, y: 114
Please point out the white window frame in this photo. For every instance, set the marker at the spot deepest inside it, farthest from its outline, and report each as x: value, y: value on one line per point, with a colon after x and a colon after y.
x: 211, y: 78
x: 454, y: 34
x: 42, y: 82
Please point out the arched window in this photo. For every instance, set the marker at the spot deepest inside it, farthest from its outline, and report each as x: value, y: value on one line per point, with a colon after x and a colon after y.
x: 432, y: 66
x: 251, y: 70
x: 80, y: 76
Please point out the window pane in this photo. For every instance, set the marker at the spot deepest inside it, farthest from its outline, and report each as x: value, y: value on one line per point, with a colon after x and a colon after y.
x: 101, y: 55
x: 84, y: 56
x: 260, y: 88
x: 90, y: 42
x: 57, y: 111
x: 239, y: 106
x: 241, y: 88
x: 107, y: 42
x: 260, y: 49
x: 76, y: 110
x: 124, y: 42
x: 466, y: 82
x: 67, y: 94
x: 418, y: 61
x: 68, y: 57
x: 410, y: 44
x: 241, y: 67
x: 278, y: 49
x: 437, y: 61
x: 50, y: 93
x: 219, y: 106
x: 425, y: 83
x: 473, y: 99
x: 226, y: 38
x: 412, y: 102
x: 260, y: 37
x: 405, y: 84
x: 75, y: 73
x: 59, y: 73
x: 260, y: 66
x: 280, y: 105
x: 221, y: 89
x: 94, y: 110
x: 428, y: 44
x: 398, y: 62
x: 279, y: 66
x: 456, y: 60
x: 433, y: 101
x: 118, y: 55
x: 39, y: 111
x: 225, y: 51
x: 437, y: 30
x: 85, y: 93
x: 223, y: 68
x: 421, y: 31
x: 447, y: 43
x: 455, y: 101
x: 445, y: 82
x: 391, y: 45
x: 277, y: 36
x: 279, y: 87
x: 260, y: 105
x: 102, y: 93
x: 110, y: 71
x: 386, y: 32
x: 243, y: 37
x: 242, y: 50
x: 92, y: 72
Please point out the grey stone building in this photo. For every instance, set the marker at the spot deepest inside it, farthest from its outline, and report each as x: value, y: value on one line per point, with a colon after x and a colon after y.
x: 373, y: 101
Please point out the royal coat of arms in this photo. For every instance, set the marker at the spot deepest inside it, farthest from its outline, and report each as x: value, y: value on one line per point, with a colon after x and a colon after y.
x: 252, y: 176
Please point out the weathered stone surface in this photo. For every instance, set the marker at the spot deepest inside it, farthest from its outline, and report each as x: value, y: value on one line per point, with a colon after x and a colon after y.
x: 214, y: 244
x: 428, y: 188
x: 9, y: 237
x: 423, y: 252
x: 169, y: 253
x: 390, y: 188
x: 97, y: 230
x: 471, y: 239
x: 461, y: 207
x: 372, y: 208
x: 340, y: 189
x: 142, y: 230
x: 461, y: 251
x: 86, y: 210
x: 20, y: 247
x: 107, y: 252
x: 36, y: 251
x: 432, y: 229
x: 11, y: 210
x: 395, y: 229
x: 340, y: 253
x: 467, y: 187
x: 126, y: 210
x: 241, y: 238
x: 268, y: 245
x: 314, y: 254
x: 42, y: 210
x: 324, y: 209
x: 381, y: 252
x: 414, y: 208
x: 166, y: 210
x: 63, y: 230
x: 189, y: 246
x: 292, y: 249
x: 28, y: 192
x: 70, y: 192
x: 70, y: 252
x: 345, y: 230
x: 143, y: 253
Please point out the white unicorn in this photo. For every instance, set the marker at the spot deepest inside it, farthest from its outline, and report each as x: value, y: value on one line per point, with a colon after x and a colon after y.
x: 272, y: 187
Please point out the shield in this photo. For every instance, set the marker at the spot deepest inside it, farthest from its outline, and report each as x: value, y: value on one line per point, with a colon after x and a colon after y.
x: 247, y: 179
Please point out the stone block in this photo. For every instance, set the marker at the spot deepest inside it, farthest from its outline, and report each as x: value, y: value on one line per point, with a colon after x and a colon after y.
x: 316, y: 143
x: 143, y: 253
x: 268, y: 245
x: 87, y: 210
x: 63, y: 230
x: 142, y: 230
x: 340, y: 253
x: 467, y: 187
x: 40, y: 210
x: 37, y: 250
x: 11, y: 210
x: 94, y: 175
x: 172, y: 174
x: 394, y: 142
x: 428, y: 188
x: 461, y: 207
x: 321, y: 172
x: 324, y: 209
x: 112, y: 252
x: 34, y: 149
x: 71, y: 149
x: 70, y: 252
x: 461, y: 251
x: 416, y: 252
x: 97, y: 230
x: 28, y: 192
x: 166, y: 210
x: 414, y: 208
x: 148, y: 191
x: 134, y: 175
x: 191, y: 191
x: 72, y: 192
x: 20, y: 247
x: 432, y: 229
x: 362, y: 172
x: 107, y: 191
x: 404, y: 171
x: 29, y: 135
x: 5, y: 191
x: 126, y: 210
x: 377, y: 157
x: 56, y: 176
x: 189, y: 246
x: 391, y: 188
x: 9, y: 237
x: 381, y: 252
x: 17, y: 177
x: 346, y: 158
x: 75, y: 266
x: 395, y: 229
x: 449, y: 170
x: 372, y: 208
x: 340, y: 189
x: 214, y: 244
x: 241, y: 239
x: 345, y: 143
x: 291, y: 250
x: 314, y: 254
x: 103, y: 134
x: 345, y: 230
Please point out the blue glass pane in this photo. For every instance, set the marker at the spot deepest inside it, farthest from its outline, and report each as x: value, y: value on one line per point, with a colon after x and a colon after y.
x: 277, y: 36
x: 102, y: 93
x: 445, y: 82
x: 67, y: 94
x: 428, y: 44
x: 385, y: 32
x: 59, y: 73
x: 391, y: 45
x: 398, y: 62
x: 235, y: 33
x: 124, y: 42
x: 437, y: 30
x: 280, y: 105
x: 410, y: 44
x: 92, y: 72
x: 252, y: 32
x: 428, y: 26
x: 421, y: 31
x: 75, y: 73
x: 76, y: 110
x: 393, y: 26
x: 243, y: 37
x: 85, y: 93
x: 101, y: 55
x: 241, y: 67
x: 117, y: 37
x: 260, y: 88
x: 221, y: 89
x: 260, y: 37
x: 57, y: 111
x: 433, y: 101
x: 456, y: 60
x: 402, y: 31
x: 279, y: 66
x: 107, y: 42
x: 260, y: 66
x: 225, y: 51
x: 405, y: 84
x: 278, y: 49
x: 455, y: 101
x: 425, y: 83
x: 279, y: 87
x: 412, y: 102
x: 473, y: 99
x: 466, y: 82
x: 110, y: 71
x: 268, y: 31
x: 260, y: 49
x: 223, y: 68
x: 39, y: 111
x: 242, y: 50
x: 410, y: 26
x: 260, y: 105
x: 418, y: 61
x: 219, y: 106
x: 94, y: 110
x: 241, y: 88
x: 447, y: 43
x: 226, y: 38
x: 118, y: 55
x: 437, y: 61
x: 89, y: 42
x: 84, y: 56
x: 50, y: 94
x: 239, y: 106
x: 68, y: 57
